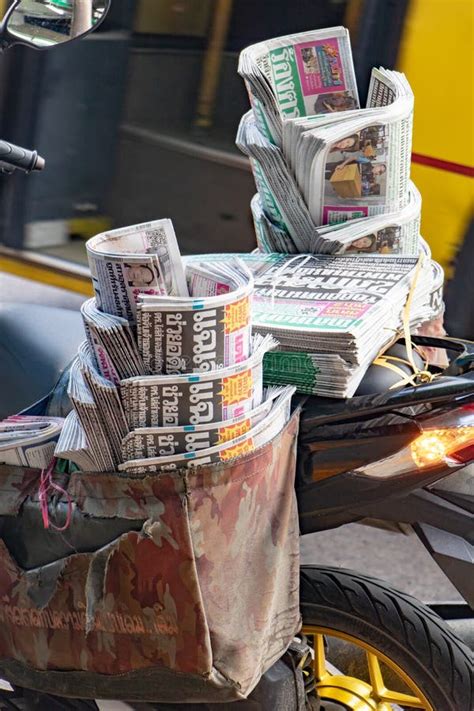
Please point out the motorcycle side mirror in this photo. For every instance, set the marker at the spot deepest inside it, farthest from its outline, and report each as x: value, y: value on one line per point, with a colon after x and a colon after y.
x: 45, y: 23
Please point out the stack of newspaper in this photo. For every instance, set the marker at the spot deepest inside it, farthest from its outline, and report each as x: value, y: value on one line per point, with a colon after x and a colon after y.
x: 171, y: 376
x: 332, y: 315
x: 29, y: 441
x: 318, y: 159
x: 332, y: 179
x: 390, y: 233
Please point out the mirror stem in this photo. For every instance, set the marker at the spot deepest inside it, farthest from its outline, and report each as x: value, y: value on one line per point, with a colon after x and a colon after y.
x: 82, y: 17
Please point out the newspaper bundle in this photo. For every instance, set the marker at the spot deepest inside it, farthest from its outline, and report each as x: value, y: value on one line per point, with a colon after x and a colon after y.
x: 128, y: 262
x: 29, y: 441
x: 299, y: 75
x: 335, y: 169
x: 107, y: 399
x: 212, y: 396
x: 359, y: 166
x: 245, y: 443
x: 169, y: 370
x: 332, y: 314
x: 151, y: 442
x: 391, y: 233
x: 198, y: 333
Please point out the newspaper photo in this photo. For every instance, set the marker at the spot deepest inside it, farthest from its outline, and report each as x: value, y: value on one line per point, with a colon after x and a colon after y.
x: 130, y: 261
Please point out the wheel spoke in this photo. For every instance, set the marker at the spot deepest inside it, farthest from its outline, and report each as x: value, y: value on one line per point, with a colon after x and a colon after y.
x: 332, y: 682
x: 375, y: 674
x: 384, y: 695
x: 395, y: 697
x: 320, y: 671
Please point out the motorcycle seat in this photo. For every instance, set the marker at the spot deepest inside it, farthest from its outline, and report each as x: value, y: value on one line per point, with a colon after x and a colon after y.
x: 36, y: 345
x: 319, y: 410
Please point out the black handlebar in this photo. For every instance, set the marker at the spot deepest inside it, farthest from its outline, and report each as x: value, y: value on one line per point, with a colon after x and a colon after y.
x: 21, y: 158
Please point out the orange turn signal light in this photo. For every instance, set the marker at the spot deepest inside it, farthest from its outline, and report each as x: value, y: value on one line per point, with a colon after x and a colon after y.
x: 433, y: 447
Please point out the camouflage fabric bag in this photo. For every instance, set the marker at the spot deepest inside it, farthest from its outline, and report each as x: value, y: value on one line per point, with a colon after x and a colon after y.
x: 178, y: 587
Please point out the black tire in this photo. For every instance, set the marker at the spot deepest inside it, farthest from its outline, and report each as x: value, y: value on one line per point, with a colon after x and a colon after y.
x: 397, y: 625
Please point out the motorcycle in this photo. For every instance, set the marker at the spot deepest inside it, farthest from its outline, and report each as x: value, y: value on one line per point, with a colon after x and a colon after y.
x: 364, y: 645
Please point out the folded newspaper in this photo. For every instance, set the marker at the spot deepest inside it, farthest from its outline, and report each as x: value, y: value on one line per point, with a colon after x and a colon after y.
x: 73, y: 445
x: 359, y: 165
x: 332, y: 314
x: 299, y: 75
x: 90, y: 413
x: 245, y: 443
x: 212, y: 396
x: 113, y: 346
x: 332, y: 169
x: 145, y: 442
x: 281, y: 198
x: 130, y: 261
x: 29, y: 441
x: 390, y: 233
x: 198, y: 333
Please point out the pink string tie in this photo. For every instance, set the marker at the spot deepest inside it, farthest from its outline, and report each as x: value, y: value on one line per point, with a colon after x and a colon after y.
x: 47, y: 484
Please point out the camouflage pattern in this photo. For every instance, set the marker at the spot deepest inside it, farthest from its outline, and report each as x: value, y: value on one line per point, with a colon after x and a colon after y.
x: 208, y: 587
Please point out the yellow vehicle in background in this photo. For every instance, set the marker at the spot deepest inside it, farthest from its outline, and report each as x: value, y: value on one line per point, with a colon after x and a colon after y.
x: 437, y: 55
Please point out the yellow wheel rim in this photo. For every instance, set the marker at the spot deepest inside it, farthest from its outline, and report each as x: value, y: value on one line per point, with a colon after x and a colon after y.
x: 357, y: 694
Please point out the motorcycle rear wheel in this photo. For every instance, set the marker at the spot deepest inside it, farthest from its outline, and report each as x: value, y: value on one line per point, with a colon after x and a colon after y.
x: 412, y: 658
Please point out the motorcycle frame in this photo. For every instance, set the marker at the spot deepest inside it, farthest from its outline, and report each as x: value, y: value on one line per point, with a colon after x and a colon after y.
x: 444, y: 526
x: 8, y: 40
